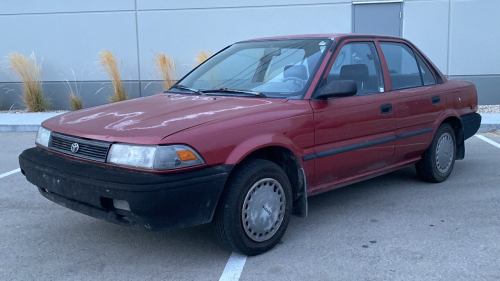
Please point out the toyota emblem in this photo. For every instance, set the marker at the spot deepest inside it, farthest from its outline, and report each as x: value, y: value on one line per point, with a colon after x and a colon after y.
x: 75, y: 147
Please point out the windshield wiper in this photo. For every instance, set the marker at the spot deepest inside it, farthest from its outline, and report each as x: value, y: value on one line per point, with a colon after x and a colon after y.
x: 195, y: 91
x: 234, y: 91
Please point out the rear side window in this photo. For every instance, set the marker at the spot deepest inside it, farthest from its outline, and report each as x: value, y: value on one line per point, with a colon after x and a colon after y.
x: 403, y: 68
x: 427, y: 76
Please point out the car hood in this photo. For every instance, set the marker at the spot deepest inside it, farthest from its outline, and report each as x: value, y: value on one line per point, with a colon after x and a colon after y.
x: 149, y: 120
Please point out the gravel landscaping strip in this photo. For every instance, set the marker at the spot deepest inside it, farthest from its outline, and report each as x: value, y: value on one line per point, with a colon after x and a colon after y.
x: 489, y: 108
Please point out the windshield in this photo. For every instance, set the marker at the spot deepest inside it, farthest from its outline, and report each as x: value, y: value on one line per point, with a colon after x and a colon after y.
x: 277, y: 68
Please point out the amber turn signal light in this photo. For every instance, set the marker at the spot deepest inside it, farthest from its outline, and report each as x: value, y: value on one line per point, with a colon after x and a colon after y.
x: 186, y: 155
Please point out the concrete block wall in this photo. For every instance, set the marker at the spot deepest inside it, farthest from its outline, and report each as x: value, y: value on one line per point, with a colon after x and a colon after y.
x: 67, y: 37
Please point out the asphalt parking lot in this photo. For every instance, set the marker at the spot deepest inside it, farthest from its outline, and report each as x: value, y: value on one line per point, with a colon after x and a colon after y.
x: 394, y: 227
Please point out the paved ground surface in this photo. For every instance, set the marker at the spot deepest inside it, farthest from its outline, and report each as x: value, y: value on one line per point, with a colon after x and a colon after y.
x: 393, y: 227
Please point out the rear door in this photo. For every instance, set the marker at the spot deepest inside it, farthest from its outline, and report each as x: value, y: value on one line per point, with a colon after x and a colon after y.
x: 353, y: 135
x: 419, y: 99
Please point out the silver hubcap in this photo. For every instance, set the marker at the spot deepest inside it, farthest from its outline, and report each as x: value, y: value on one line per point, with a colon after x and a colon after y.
x: 444, y: 153
x: 263, y: 209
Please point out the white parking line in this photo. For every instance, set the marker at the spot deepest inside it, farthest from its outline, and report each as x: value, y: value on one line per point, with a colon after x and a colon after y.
x: 233, y: 268
x: 10, y: 173
x: 489, y: 141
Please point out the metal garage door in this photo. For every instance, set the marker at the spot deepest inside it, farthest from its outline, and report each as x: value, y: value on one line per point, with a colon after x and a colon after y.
x: 383, y: 18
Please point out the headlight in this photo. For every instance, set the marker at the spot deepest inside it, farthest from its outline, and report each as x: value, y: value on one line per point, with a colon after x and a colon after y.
x: 43, y: 136
x: 154, y: 157
x: 139, y: 156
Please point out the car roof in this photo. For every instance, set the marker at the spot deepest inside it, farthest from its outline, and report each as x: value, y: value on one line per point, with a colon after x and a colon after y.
x: 336, y: 36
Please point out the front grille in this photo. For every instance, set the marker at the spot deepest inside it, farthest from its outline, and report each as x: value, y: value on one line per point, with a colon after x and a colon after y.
x: 88, y: 149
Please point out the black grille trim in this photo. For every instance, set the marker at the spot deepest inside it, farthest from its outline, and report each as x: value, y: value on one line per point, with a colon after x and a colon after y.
x: 89, y: 149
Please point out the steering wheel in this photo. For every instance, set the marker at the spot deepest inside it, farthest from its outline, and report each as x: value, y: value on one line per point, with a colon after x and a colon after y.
x: 295, y: 80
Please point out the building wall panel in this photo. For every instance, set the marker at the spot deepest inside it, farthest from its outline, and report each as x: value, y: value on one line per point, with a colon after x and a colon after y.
x: 66, y: 42
x: 475, y: 37
x: 182, y: 33
x: 429, y: 32
x: 10, y: 7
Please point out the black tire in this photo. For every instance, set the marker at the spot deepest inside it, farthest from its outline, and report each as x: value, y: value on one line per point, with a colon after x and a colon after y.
x: 230, y: 216
x: 430, y: 168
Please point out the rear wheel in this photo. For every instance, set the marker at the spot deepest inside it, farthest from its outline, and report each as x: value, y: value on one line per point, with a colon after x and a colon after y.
x: 255, y: 208
x: 438, y: 160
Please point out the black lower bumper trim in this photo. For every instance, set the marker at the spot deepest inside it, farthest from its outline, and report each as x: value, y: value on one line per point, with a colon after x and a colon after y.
x: 470, y: 123
x: 156, y: 201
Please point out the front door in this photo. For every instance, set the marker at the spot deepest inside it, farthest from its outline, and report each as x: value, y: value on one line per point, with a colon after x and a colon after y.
x: 353, y: 135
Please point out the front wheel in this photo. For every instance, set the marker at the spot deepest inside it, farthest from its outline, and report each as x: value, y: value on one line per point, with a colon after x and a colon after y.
x: 438, y: 160
x: 255, y: 208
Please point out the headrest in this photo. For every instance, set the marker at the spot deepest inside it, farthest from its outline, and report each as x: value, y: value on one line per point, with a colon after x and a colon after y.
x: 356, y: 72
x: 298, y: 71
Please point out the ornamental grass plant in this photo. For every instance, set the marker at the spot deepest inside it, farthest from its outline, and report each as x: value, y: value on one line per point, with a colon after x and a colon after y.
x: 30, y: 73
x: 202, y: 56
x: 165, y: 69
x: 112, y: 67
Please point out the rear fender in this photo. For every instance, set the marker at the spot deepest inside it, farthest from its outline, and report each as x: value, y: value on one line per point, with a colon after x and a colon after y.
x: 459, y: 132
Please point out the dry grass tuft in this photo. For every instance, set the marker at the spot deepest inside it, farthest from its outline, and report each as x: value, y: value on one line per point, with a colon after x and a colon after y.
x: 165, y: 69
x: 202, y: 56
x: 30, y: 73
x: 112, y: 67
x: 75, y: 101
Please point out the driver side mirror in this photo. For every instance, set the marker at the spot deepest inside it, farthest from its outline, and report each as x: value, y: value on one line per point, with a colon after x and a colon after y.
x: 338, y: 88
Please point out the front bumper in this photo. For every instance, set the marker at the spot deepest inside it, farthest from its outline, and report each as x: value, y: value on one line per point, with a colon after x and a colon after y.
x: 156, y: 201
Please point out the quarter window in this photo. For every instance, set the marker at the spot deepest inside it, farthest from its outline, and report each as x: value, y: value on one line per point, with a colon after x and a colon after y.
x: 358, y: 62
x: 427, y: 76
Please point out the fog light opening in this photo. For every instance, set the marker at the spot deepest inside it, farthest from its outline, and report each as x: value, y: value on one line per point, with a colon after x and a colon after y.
x: 121, y: 204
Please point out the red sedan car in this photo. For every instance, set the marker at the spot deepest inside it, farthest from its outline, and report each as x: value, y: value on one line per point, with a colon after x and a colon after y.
x: 246, y: 137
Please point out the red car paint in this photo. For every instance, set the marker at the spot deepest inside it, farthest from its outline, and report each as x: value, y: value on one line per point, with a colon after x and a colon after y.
x: 224, y: 130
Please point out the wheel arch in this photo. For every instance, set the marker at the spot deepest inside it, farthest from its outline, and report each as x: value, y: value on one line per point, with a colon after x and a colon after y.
x: 458, y: 129
x: 288, y: 161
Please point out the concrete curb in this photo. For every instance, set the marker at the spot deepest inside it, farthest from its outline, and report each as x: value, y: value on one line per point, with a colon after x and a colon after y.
x: 23, y: 122
x: 19, y: 128
x: 488, y: 128
x: 489, y: 122
x: 30, y: 122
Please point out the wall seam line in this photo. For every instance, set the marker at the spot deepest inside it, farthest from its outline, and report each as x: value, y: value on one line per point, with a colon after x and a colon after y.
x: 66, y: 13
x: 449, y: 39
x: 246, y: 7
x: 138, y: 53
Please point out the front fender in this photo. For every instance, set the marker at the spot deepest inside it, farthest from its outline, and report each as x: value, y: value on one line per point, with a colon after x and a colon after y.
x: 255, y: 143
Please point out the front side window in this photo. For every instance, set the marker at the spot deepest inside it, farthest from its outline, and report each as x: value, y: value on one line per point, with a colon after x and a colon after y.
x: 403, y: 68
x: 276, y: 68
x: 358, y: 62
